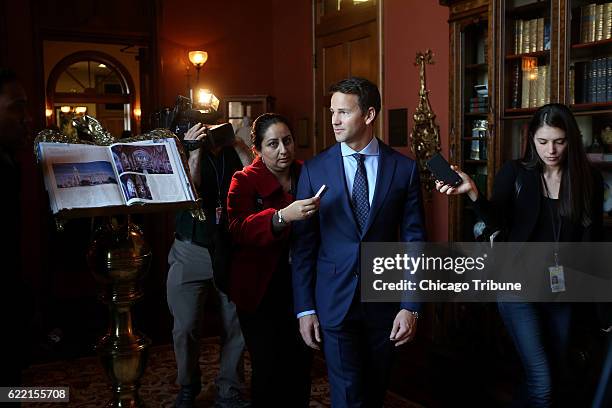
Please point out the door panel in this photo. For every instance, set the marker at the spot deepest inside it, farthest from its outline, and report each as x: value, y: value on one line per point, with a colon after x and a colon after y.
x: 349, y: 52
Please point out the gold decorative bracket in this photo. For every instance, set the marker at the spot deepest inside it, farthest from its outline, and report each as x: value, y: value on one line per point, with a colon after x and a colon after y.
x: 425, y: 134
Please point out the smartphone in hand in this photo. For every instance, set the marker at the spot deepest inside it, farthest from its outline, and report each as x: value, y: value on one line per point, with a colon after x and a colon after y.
x: 442, y: 170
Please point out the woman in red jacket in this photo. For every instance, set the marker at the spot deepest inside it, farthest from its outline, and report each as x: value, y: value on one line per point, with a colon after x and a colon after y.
x: 261, y: 207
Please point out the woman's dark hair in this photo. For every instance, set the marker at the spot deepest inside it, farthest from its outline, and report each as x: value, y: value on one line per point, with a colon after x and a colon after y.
x: 576, y: 190
x: 261, y: 125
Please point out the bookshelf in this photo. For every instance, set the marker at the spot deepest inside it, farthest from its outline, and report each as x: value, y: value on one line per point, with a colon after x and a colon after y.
x: 535, y: 52
x: 471, y: 101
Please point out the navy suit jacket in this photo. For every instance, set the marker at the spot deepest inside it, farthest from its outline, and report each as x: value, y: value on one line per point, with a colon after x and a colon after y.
x: 326, y: 248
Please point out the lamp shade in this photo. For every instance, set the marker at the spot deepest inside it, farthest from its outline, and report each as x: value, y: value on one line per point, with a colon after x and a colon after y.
x: 198, y: 58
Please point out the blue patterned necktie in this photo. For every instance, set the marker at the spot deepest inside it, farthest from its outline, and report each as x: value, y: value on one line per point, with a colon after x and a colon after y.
x: 361, y: 202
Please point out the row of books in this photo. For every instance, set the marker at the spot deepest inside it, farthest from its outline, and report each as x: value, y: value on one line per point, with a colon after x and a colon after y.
x: 478, y: 104
x: 591, y: 81
x: 595, y: 22
x: 531, y: 35
x: 531, y: 88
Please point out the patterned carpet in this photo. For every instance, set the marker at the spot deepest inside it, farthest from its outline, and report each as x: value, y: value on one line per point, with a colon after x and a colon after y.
x: 89, y: 389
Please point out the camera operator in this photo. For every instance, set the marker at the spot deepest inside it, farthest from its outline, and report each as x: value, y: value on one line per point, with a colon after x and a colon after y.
x: 199, y: 246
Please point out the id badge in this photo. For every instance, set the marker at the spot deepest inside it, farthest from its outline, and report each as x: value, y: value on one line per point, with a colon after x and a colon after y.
x: 218, y: 213
x: 557, y: 278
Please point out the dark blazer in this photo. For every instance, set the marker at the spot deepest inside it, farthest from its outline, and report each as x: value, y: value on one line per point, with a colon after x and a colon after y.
x: 253, y: 198
x: 325, y: 250
x: 517, y: 214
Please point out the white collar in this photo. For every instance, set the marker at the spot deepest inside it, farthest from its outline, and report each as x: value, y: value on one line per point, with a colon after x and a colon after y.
x: 372, y: 149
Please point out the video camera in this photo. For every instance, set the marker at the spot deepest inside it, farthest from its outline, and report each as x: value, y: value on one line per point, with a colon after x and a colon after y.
x: 182, y: 117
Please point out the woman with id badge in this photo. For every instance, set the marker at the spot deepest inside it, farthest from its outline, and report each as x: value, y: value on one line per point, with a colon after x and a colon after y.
x: 261, y: 208
x: 552, y: 195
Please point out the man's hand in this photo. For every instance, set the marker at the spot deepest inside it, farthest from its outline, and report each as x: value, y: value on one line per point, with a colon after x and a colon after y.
x: 196, y: 132
x: 404, y: 327
x: 309, y: 329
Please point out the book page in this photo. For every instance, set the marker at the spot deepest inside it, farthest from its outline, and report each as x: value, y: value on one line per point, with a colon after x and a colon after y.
x: 151, y: 171
x: 79, y: 176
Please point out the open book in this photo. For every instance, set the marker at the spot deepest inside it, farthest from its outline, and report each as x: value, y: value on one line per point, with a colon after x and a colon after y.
x: 122, y: 174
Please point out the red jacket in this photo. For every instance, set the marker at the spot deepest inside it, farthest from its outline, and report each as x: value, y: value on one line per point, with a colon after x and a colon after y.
x: 253, y: 198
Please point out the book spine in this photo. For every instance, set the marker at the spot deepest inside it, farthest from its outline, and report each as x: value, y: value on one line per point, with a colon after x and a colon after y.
x: 533, y: 88
x: 521, y: 28
x: 586, y: 68
x: 540, y: 34
x: 608, y: 79
x: 516, y: 86
x: 541, y: 86
x: 525, y: 89
x: 592, y: 22
x: 516, y: 36
x: 607, y: 21
x: 601, y: 85
x: 526, y: 46
x: 599, y: 22
x: 583, y: 24
x: 592, y: 82
x: 533, y: 35
x: 596, y: 80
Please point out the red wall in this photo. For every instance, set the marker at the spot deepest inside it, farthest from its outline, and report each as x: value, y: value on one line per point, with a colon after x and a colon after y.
x: 237, y: 36
x: 261, y: 47
x: 408, y: 27
x: 293, y: 71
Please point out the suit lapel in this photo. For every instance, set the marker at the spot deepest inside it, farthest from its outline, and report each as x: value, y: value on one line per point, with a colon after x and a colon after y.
x: 337, y: 182
x: 384, y: 177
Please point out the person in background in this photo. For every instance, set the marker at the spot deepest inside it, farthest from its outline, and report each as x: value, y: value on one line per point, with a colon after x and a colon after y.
x: 560, y: 200
x: 196, y: 253
x: 14, y: 129
x: 261, y: 210
x: 244, y: 132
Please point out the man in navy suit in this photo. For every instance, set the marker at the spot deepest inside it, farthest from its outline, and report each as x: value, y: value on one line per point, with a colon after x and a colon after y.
x: 373, y: 196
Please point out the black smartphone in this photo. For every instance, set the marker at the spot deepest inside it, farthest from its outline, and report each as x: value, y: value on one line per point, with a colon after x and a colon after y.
x: 442, y: 170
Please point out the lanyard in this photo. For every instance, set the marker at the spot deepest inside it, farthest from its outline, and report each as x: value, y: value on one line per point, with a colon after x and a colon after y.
x: 219, y: 179
x: 553, y: 220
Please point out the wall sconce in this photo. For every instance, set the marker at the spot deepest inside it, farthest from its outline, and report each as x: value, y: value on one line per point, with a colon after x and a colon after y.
x: 48, y: 112
x: 137, y: 113
x: 207, y: 101
x: 198, y: 59
x: 80, y: 109
x: 65, y: 109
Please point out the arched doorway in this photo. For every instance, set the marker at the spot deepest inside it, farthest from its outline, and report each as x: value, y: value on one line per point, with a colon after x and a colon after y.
x: 93, y: 83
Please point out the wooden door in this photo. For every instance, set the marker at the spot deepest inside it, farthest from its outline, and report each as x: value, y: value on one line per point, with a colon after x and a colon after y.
x: 345, y: 45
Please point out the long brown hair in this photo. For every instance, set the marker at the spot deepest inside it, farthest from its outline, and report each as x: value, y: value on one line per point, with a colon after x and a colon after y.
x: 576, y: 190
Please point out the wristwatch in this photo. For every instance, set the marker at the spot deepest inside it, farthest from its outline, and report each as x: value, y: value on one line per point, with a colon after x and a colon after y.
x: 415, y: 314
x: 280, y: 217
